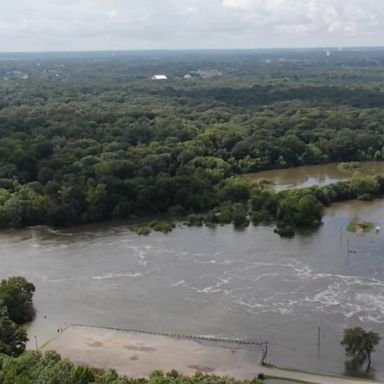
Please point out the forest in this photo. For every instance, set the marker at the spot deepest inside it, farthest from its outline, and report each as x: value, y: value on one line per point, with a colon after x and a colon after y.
x: 90, y: 137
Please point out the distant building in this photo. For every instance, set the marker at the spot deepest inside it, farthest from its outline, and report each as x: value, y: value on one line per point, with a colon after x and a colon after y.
x: 188, y: 76
x: 207, y: 73
x: 159, y: 77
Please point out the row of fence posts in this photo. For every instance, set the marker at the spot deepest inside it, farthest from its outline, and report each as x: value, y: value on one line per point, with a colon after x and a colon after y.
x: 264, y: 344
x: 180, y: 336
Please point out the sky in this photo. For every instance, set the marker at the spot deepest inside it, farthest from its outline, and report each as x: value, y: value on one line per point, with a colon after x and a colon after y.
x: 60, y: 25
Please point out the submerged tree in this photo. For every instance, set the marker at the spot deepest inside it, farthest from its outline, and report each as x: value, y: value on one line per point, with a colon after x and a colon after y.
x: 359, y: 344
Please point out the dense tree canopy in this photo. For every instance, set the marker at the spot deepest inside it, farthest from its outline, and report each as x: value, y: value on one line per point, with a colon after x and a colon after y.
x: 12, y: 337
x: 16, y: 296
x: 16, y: 308
x: 90, y: 138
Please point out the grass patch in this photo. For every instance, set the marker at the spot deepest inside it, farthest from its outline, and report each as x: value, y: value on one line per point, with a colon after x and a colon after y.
x: 350, y: 166
x: 143, y: 230
x: 146, y: 229
x: 360, y: 226
x: 162, y: 227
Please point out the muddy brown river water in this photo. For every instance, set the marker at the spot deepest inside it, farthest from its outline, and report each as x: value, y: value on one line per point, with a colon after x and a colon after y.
x: 224, y: 282
x: 309, y: 175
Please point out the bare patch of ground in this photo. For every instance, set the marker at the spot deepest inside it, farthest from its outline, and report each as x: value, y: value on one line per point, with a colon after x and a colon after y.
x: 140, y: 348
x: 137, y: 355
x: 95, y: 344
x: 104, y: 348
x: 202, y: 369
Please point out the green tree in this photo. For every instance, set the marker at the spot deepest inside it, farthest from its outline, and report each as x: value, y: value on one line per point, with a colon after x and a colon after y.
x: 33, y: 367
x: 239, y: 215
x: 359, y: 344
x: 12, y: 337
x: 16, y: 296
x: 309, y: 210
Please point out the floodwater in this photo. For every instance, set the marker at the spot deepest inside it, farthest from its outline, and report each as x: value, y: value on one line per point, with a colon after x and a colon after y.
x: 224, y: 282
x: 310, y: 175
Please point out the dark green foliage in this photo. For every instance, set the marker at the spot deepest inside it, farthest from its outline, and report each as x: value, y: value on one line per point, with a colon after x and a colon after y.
x: 285, y: 230
x: 365, y: 197
x: 16, y: 296
x: 50, y: 368
x: 211, y: 218
x: 16, y: 307
x: 195, y: 220
x: 291, y: 208
x: 235, y: 189
x: 142, y: 230
x: 162, y: 227
x: 226, y: 213
x: 260, y: 217
x: 360, y: 344
x: 353, y: 188
x: 352, y: 165
x: 12, y: 337
x: 303, y: 207
x: 299, y: 208
x: 240, y: 216
x: 88, y: 140
x: 146, y: 229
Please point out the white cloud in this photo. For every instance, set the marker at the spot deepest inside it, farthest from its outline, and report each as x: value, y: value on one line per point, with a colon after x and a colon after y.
x: 112, y: 14
x: 135, y: 24
x: 237, y: 4
x: 192, y: 10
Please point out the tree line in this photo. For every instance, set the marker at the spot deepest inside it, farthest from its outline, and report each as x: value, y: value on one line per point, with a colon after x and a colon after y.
x: 50, y: 368
x: 242, y: 202
x: 89, y: 140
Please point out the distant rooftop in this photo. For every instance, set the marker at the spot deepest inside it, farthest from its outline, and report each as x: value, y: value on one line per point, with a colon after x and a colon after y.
x: 159, y: 77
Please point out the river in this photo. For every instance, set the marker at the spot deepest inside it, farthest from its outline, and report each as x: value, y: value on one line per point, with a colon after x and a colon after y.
x: 250, y: 283
x: 309, y: 175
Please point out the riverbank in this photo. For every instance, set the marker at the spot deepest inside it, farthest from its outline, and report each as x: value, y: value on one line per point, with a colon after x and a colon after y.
x: 136, y: 355
x: 224, y: 282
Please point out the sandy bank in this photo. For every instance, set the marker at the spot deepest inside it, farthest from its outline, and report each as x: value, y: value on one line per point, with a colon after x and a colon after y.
x: 137, y: 355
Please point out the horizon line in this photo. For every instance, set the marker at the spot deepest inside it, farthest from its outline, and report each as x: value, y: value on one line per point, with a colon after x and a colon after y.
x: 332, y: 47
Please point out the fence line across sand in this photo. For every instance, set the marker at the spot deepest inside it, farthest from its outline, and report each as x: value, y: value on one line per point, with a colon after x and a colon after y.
x: 263, y: 344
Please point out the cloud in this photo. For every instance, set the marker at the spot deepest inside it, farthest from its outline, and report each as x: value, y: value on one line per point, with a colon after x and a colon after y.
x: 152, y: 24
x: 237, y: 4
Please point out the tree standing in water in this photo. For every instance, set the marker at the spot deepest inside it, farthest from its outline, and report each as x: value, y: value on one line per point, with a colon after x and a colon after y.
x: 359, y: 344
